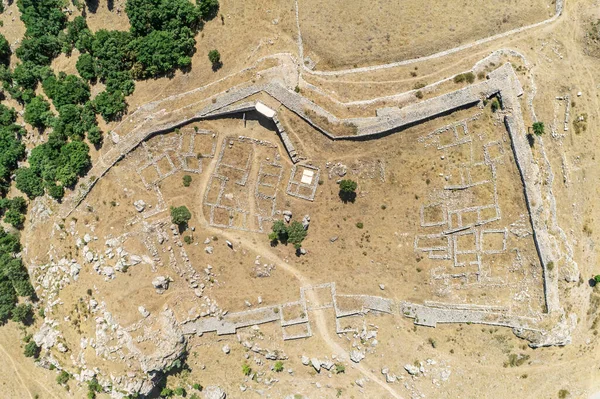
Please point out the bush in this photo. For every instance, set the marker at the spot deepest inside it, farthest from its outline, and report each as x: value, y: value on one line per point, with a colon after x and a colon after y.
x: 187, y: 180
x: 197, y: 387
x: 538, y: 128
x: 215, y: 58
x: 180, y: 215
x: 188, y: 239
x: 63, y: 378
x: 32, y: 350
x: 340, y: 368
x: 359, y: 225
x: 495, y: 105
x: 180, y: 391
x: 166, y: 393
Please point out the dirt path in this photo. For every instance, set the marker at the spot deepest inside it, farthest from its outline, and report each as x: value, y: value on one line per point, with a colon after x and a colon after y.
x: 258, y: 244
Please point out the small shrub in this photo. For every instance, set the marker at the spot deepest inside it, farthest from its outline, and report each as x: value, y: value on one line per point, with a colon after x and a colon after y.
x: 495, y: 105
x: 297, y: 89
x: 340, y: 368
x: 180, y: 391
x: 419, y: 94
x: 246, y: 369
x: 563, y: 394
x: 89, y: 292
x: 188, y: 239
x: 187, y: 180
x: 432, y: 342
x: 278, y: 367
x: 538, y: 128
x: 198, y: 387
x: 550, y: 266
x: 359, y: 225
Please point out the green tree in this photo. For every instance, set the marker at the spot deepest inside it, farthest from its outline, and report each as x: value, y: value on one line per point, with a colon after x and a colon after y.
x: 32, y: 350
x: 208, y: 8
x: 94, y: 135
x: 110, y: 105
x: 538, y: 128
x: 14, y: 218
x: 296, y: 234
x: 180, y: 215
x: 187, y: 180
x: 37, y: 113
x: 279, y: 232
x: 23, y: 313
x: 86, y: 66
x: 5, y: 51
x: 348, y: 190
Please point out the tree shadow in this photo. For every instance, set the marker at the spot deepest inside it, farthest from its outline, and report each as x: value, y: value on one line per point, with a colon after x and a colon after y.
x: 530, y: 140
x: 216, y: 66
x: 92, y: 5
x: 592, y: 282
x: 347, y: 196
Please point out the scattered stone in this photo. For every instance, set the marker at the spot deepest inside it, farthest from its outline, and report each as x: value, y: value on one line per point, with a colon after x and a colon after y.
x: 333, y: 239
x: 87, y: 238
x: 226, y: 349
x: 207, y: 241
x: 247, y: 303
x: 356, y: 356
x: 381, y: 287
x: 385, y: 370
x: 360, y: 382
x: 390, y: 378
x: 209, y: 250
x: 302, y: 251
x: 327, y: 365
x: 61, y: 347
x: 305, y: 360
x: 139, y: 205
x: 229, y: 244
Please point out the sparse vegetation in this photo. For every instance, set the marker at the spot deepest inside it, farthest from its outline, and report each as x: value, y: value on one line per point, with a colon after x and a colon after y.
x: 63, y: 377
x: 340, y: 368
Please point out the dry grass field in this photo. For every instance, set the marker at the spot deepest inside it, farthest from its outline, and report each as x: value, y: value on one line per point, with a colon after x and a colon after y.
x: 341, y: 34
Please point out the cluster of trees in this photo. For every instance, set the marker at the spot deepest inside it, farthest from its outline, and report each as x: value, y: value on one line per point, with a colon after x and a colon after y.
x: 56, y: 161
x: 293, y: 234
x: 14, y: 280
x: 12, y: 149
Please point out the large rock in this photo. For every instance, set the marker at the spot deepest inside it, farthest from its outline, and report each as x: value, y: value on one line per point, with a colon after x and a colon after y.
x: 214, y: 392
x: 411, y: 369
x: 161, y: 284
x: 356, y: 356
x: 306, y: 222
x: 287, y: 216
x: 139, y: 205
